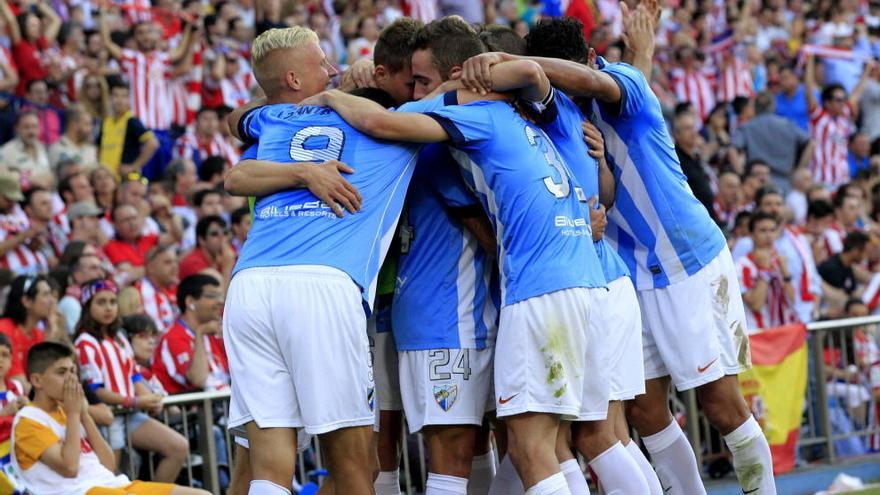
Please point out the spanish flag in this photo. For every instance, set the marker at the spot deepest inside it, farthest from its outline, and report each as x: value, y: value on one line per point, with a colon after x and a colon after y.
x: 775, y: 388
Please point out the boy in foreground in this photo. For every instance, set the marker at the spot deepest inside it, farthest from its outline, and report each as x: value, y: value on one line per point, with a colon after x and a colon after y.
x: 56, y: 445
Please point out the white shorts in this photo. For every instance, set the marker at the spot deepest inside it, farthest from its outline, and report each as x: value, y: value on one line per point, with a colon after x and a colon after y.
x: 446, y: 386
x: 383, y: 353
x: 617, y: 312
x: 298, y: 353
x: 549, y: 359
x: 695, y: 330
x: 240, y: 437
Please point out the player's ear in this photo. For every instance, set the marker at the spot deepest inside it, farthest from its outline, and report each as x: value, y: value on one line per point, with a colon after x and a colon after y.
x: 380, y: 73
x: 455, y: 72
x: 292, y: 80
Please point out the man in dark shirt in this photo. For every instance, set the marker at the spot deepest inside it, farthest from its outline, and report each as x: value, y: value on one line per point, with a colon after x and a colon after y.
x: 687, y: 147
x: 837, y: 271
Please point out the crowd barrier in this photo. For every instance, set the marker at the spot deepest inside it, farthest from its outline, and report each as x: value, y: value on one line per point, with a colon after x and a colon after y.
x: 830, y: 426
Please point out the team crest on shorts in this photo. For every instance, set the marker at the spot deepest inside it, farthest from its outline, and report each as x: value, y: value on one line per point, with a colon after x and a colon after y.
x: 371, y: 398
x: 445, y: 396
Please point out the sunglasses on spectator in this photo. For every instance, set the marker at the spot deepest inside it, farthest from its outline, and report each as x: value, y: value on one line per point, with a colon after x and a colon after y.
x: 135, y: 176
x: 218, y: 233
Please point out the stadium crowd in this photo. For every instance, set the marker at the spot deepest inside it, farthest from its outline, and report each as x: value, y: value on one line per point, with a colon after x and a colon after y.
x: 114, y: 146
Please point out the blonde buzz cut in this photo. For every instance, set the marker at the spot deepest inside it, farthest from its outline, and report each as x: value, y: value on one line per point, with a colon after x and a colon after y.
x: 281, y: 39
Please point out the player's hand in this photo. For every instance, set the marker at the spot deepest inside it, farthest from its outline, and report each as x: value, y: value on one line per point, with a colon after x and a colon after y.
x: 476, y: 72
x: 638, y: 33
x: 318, y: 100
x: 327, y: 183
x: 593, y: 138
x: 362, y: 73
x: 654, y: 11
x: 591, y: 58
x: 598, y: 219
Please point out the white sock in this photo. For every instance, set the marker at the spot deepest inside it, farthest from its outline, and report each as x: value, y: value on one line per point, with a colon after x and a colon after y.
x: 554, y: 485
x: 618, y: 472
x: 751, y: 458
x: 387, y: 483
x: 441, y: 484
x: 647, y: 470
x: 266, y: 487
x: 574, y: 477
x: 506, y: 480
x: 482, y: 472
x: 674, y: 461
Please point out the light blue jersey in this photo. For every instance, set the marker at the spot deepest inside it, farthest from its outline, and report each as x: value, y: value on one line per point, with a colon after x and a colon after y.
x: 293, y: 227
x: 657, y: 225
x: 565, y: 131
x: 443, y: 298
x: 541, y: 227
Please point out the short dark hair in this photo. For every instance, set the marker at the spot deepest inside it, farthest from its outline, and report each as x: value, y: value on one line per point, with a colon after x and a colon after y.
x: 500, y: 38
x: 199, y: 196
x: 239, y: 214
x: 754, y: 163
x: 64, y: 184
x: 819, y: 209
x: 22, y: 286
x: 767, y: 190
x: 26, y: 113
x: 30, y: 193
x: 377, y: 95
x: 842, y: 193
x: 45, y: 354
x: 855, y: 240
x: 451, y: 41
x: 742, y: 217
x: 206, y: 109
x: 828, y: 91
x: 138, y: 324
x: 739, y: 104
x: 205, y: 223
x: 760, y: 216
x: 211, y: 166
x: 117, y: 82
x: 5, y: 342
x: 559, y: 37
x: 193, y: 286
x: 394, y: 47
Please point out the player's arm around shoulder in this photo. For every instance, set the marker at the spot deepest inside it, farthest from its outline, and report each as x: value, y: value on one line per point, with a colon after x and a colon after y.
x: 374, y: 120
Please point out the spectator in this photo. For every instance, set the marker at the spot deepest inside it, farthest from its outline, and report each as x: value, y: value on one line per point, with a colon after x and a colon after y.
x: 12, y: 396
x: 31, y: 39
x: 213, y: 249
x: 791, y: 100
x: 42, y: 436
x: 859, y: 157
x: 716, y: 134
x: 869, y: 105
x: 128, y: 250
x: 213, y: 171
x: 17, y: 234
x: 728, y: 201
x: 37, y: 100
x: 206, y: 202
x: 796, y: 199
x: 820, y: 216
x: 687, y: 147
x: 764, y: 277
x: 830, y: 125
x: 76, y: 143
x: 181, y: 174
x: 157, y: 288
x: 84, y: 268
x: 142, y: 333
x: 48, y: 244
x: 205, y: 140
x: 107, y: 363
x: 125, y: 145
x: 691, y: 82
x: 362, y: 47
x: 30, y: 303
x: 773, y: 140
x: 25, y: 152
x: 190, y: 355
x: 104, y: 183
x: 85, y: 224
x: 241, y: 222
x: 230, y: 81
x: 94, y: 96
x: 847, y: 209
x: 146, y: 68
x: 837, y: 271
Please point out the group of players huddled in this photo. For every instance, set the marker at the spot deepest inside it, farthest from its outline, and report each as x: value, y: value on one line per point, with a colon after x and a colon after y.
x: 546, y: 266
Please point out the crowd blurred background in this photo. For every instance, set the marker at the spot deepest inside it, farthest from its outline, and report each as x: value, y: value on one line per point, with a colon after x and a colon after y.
x: 114, y: 147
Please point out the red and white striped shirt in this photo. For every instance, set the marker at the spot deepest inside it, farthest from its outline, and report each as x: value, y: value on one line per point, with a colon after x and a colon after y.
x: 136, y: 10
x: 830, y: 137
x: 423, y: 10
x: 108, y: 363
x: 189, y: 145
x: 735, y: 80
x: 695, y: 87
x: 160, y: 305
x: 236, y: 90
x: 186, y: 93
x: 21, y: 259
x: 174, y: 354
x: 833, y: 238
x: 148, y: 75
x: 777, y: 310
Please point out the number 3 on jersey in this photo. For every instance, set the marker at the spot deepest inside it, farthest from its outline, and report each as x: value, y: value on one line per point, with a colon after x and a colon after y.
x: 317, y: 144
x: 561, y: 189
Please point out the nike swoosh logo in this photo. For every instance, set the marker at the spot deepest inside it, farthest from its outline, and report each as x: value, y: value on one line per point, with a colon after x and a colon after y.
x: 704, y: 368
x: 503, y: 401
x: 751, y: 491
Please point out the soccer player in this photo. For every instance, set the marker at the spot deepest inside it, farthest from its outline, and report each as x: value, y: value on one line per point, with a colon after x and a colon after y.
x: 289, y: 344
x: 540, y: 227
x: 694, y: 321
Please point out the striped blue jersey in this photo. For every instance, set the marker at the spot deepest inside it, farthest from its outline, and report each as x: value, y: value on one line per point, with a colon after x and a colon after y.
x: 662, y: 232
x: 293, y: 227
x: 565, y: 131
x: 542, y: 230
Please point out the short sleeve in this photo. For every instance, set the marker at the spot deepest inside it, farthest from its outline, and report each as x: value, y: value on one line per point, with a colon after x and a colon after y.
x: 466, y: 124
x: 32, y: 438
x: 250, y: 153
x: 568, y: 118
x: 251, y: 124
x: 90, y: 364
x: 633, y: 89
x: 446, y: 180
x: 428, y: 104
x: 137, y: 128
